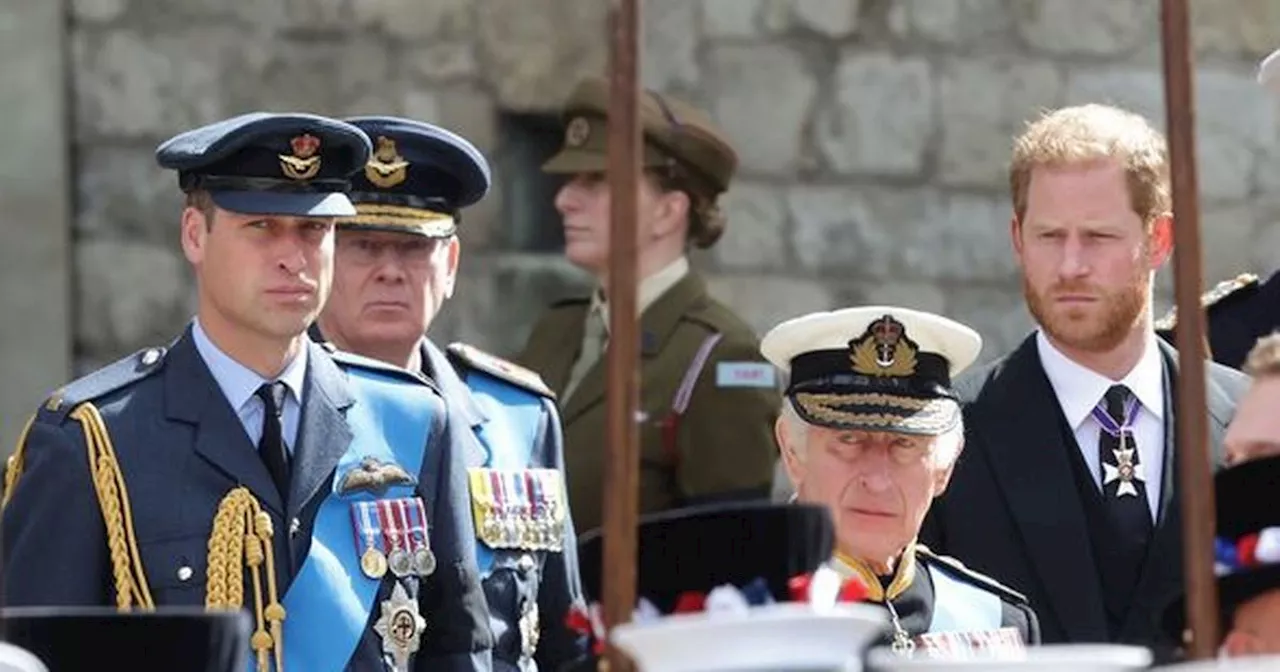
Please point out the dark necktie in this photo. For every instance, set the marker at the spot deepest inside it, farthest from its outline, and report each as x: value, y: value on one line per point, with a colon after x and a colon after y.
x: 1124, y: 488
x: 271, y: 445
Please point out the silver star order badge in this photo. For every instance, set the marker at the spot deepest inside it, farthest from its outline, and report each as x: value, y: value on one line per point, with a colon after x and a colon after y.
x: 400, y: 627
x: 529, y: 631
x: 1125, y: 471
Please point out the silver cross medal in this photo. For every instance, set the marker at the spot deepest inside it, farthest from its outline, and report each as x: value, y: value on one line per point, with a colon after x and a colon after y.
x: 1125, y: 471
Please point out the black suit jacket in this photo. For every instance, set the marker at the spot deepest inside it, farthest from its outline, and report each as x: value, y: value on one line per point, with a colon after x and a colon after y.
x: 1013, y: 510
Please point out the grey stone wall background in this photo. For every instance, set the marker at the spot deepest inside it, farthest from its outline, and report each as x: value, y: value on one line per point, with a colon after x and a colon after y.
x: 873, y: 135
x: 35, y: 214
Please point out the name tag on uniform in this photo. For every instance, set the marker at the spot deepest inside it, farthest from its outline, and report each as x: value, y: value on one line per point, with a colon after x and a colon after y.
x: 744, y: 374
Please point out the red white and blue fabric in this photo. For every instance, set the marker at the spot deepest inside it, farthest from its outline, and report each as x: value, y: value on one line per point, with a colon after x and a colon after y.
x: 1251, y: 551
x: 823, y: 587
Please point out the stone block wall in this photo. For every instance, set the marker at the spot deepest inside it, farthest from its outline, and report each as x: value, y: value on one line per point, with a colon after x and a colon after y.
x: 873, y: 134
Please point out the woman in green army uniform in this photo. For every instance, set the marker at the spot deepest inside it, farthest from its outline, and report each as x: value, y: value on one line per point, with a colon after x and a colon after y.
x: 708, y: 400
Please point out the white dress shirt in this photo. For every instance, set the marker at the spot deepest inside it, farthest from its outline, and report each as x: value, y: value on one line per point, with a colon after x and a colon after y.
x: 239, y: 384
x: 1080, y: 389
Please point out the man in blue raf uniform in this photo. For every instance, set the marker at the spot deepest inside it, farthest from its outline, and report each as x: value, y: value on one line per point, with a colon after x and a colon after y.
x: 871, y: 428
x: 244, y: 466
x: 396, y: 264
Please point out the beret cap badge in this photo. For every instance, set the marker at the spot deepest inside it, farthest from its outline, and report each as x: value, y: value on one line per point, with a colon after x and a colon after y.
x: 883, y: 350
x: 304, y: 163
x: 386, y: 168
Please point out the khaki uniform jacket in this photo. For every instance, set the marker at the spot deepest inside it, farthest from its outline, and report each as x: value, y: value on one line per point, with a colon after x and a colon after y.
x: 722, y: 447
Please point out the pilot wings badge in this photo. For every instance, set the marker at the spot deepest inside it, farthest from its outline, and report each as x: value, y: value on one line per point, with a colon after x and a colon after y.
x: 374, y: 475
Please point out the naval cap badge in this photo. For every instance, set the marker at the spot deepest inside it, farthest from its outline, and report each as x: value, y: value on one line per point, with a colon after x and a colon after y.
x: 883, y: 350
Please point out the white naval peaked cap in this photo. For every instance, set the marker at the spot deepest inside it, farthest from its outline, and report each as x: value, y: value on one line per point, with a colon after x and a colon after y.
x: 1047, y: 658
x: 874, y: 368
x: 1269, y: 72
x: 834, y: 329
x: 1244, y: 664
x: 787, y: 637
x: 15, y: 659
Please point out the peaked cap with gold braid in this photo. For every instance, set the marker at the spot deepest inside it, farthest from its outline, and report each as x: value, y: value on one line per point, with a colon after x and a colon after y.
x: 877, y: 368
x: 418, y: 179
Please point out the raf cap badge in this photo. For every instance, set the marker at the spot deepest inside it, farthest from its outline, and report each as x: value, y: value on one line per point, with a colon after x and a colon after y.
x: 883, y: 350
x: 304, y: 163
x: 577, y: 132
x: 386, y: 168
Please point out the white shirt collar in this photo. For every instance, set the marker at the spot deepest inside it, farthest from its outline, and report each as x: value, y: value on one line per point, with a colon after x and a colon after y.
x: 651, y: 288
x: 1079, y: 389
x: 237, y: 381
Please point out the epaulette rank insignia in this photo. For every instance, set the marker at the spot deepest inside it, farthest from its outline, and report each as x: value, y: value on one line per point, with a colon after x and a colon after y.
x: 520, y: 509
x: 1215, y: 295
x: 500, y: 368
x: 123, y: 372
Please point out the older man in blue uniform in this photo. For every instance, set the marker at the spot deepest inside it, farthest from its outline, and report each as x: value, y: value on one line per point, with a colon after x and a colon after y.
x: 396, y: 264
x: 871, y: 429
x: 244, y: 466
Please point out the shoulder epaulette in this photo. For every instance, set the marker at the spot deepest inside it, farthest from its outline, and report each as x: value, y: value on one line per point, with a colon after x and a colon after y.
x: 959, y: 570
x: 1216, y: 296
x: 719, y: 318
x: 108, y: 379
x: 346, y: 359
x: 472, y: 357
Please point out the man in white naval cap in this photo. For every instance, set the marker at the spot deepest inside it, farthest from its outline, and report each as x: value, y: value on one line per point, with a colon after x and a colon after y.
x: 871, y: 429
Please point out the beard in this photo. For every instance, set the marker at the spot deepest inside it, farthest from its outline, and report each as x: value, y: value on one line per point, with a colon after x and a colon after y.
x: 1099, y: 327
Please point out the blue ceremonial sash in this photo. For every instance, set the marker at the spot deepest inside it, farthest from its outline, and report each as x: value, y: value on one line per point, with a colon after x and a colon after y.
x: 959, y: 606
x: 328, y: 605
x: 515, y: 418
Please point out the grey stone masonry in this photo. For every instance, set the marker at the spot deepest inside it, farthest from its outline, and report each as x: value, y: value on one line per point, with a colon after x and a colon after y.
x: 873, y: 135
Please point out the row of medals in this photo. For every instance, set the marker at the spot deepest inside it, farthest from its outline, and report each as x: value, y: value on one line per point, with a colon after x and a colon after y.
x: 401, y: 561
x: 517, y: 528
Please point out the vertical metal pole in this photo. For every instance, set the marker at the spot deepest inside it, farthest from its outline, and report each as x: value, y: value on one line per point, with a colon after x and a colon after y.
x: 621, y: 476
x: 1195, y: 481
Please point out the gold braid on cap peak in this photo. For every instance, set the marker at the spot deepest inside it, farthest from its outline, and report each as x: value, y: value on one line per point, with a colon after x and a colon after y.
x: 242, y: 535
